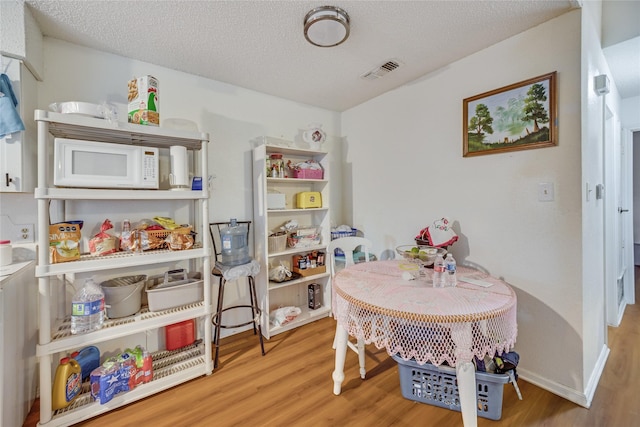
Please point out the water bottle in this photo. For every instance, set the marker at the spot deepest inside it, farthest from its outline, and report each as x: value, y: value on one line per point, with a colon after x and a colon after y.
x: 450, y: 274
x: 87, y: 308
x: 235, y: 249
x: 438, y: 272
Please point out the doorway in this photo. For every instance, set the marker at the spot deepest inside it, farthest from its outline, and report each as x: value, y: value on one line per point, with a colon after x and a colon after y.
x: 620, y: 164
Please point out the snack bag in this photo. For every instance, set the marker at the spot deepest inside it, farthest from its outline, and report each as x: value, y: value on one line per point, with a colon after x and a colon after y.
x: 180, y: 239
x: 103, y: 243
x: 64, y: 240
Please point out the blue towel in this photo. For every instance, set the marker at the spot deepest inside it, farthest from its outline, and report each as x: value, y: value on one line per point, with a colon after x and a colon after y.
x: 10, y: 120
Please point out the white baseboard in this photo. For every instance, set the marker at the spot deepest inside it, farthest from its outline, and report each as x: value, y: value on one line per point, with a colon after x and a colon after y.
x: 580, y: 398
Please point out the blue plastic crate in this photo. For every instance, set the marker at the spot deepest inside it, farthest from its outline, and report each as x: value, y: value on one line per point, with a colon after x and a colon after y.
x: 438, y: 386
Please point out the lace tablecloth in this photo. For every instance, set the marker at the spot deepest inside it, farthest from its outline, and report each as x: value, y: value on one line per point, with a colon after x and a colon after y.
x: 414, y: 320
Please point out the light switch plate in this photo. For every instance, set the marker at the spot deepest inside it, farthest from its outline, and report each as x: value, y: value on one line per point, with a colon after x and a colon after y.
x: 545, y: 192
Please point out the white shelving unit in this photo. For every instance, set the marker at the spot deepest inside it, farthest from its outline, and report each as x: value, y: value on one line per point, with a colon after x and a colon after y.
x: 273, y: 295
x: 170, y: 368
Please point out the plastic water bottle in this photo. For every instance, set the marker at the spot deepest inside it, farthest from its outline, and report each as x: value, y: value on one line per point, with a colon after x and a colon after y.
x: 450, y: 274
x: 87, y: 308
x: 235, y: 249
x: 438, y: 272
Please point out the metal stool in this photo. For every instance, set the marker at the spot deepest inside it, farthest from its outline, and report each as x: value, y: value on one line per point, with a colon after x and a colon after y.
x: 226, y: 273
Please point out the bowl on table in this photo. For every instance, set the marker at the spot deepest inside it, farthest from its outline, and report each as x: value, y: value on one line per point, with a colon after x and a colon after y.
x: 420, y: 254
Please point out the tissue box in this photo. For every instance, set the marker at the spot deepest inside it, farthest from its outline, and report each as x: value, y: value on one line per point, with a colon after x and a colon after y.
x: 276, y: 201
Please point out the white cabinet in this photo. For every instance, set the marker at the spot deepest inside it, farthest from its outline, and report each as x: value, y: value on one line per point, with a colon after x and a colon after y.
x: 293, y: 293
x: 18, y: 150
x: 18, y: 326
x: 54, y: 337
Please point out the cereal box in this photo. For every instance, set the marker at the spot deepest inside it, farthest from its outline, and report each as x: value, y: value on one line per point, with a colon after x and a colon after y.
x: 144, y: 107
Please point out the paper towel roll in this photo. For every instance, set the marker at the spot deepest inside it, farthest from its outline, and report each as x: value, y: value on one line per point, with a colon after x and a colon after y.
x: 179, y: 176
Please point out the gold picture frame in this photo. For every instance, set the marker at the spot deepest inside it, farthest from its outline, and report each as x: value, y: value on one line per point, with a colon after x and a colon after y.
x: 520, y: 116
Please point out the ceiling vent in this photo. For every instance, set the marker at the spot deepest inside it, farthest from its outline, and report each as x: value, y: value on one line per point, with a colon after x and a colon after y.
x: 382, y: 70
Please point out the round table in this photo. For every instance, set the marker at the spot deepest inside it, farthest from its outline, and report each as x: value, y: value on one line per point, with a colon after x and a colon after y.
x: 375, y: 302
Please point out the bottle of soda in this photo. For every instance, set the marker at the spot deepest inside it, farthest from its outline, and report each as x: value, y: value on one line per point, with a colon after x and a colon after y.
x: 450, y: 274
x: 438, y: 272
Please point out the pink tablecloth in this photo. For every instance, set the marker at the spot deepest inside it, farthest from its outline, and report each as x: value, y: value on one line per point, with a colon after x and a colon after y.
x: 415, y: 320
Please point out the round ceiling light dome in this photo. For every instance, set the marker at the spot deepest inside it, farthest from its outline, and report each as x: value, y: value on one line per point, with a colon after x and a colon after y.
x: 326, y: 26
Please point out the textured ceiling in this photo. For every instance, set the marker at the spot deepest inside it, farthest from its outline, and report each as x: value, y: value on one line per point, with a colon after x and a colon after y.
x: 260, y: 45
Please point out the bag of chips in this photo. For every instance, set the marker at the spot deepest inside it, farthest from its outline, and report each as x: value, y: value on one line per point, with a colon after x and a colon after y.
x: 64, y: 241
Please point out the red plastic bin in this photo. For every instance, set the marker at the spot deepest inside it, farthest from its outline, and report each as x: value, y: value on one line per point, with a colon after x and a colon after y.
x: 180, y: 334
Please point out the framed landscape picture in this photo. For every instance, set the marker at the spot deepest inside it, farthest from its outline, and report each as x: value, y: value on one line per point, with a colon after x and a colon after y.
x: 521, y: 116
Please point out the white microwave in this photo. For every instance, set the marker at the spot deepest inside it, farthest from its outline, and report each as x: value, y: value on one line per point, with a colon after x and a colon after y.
x: 91, y: 164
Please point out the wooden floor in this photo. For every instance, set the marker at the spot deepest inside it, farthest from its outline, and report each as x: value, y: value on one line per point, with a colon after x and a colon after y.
x: 292, y: 386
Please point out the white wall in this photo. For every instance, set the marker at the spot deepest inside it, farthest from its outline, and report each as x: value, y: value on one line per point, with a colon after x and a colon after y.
x: 630, y: 117
x: 405, y: 152
x: 233, y: 116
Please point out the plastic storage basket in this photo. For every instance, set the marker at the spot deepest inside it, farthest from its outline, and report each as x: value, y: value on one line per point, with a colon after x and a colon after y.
x: 438, y: 386
x: 304, y: 237
x: 277, y: 243
x: 338, y: 234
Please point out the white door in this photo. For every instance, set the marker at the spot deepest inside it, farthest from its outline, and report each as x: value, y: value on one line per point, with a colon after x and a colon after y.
x: 611, y: 157
x: 623, y: 178
x: 627, y: 255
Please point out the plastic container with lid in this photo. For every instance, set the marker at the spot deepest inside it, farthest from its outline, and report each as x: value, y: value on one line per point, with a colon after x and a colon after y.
x: 235, y: 248
x: 88, y: 358
x: 6, y: 252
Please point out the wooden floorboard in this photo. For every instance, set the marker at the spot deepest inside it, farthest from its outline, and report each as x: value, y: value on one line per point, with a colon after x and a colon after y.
x: 292, y: 386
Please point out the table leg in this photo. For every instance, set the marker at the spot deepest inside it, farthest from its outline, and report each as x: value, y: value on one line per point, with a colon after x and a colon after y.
x: 341, y: 352
x: 466, y: 374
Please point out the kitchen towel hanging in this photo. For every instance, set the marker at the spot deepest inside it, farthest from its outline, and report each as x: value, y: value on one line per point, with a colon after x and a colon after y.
x: 10, y: 120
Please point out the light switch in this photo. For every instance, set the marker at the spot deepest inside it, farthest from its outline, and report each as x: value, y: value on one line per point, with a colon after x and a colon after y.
x: 545, y: 192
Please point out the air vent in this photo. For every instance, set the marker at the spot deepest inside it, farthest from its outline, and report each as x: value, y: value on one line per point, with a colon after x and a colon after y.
x: 382, y: 70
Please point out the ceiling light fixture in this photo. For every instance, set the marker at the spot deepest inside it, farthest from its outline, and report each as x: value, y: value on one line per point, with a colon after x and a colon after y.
x: 326, y: 26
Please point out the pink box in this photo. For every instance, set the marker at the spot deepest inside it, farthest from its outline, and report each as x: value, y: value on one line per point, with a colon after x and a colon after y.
x: 307, y: 173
